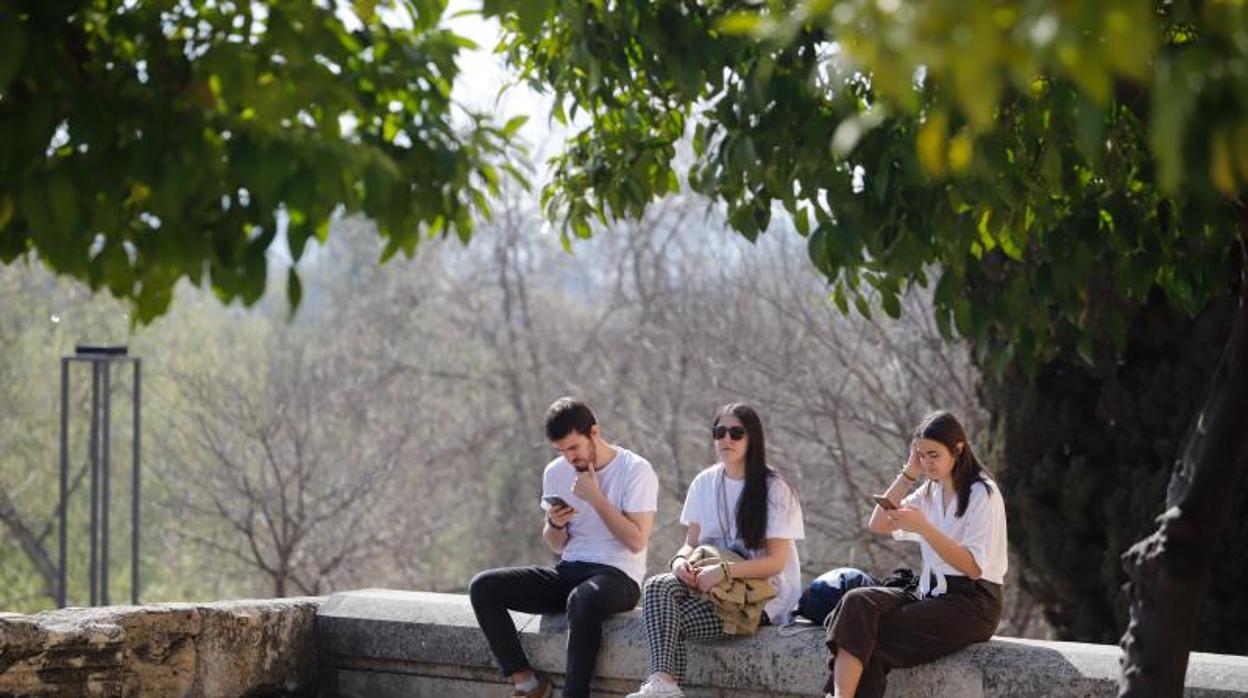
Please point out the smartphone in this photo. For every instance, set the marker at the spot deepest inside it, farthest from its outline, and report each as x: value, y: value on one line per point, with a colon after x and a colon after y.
x: 884, y: 502
x: 555, y: 501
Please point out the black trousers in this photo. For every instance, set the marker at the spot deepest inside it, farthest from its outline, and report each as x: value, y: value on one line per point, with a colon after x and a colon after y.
x: 887, y: 627
x: 587, y: 591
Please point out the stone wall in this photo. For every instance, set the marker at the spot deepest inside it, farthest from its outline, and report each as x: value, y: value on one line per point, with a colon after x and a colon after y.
x: 229, y: 648
x: 376, y: 643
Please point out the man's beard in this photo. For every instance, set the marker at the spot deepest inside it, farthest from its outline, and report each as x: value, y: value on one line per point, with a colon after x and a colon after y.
x: 589, y: 461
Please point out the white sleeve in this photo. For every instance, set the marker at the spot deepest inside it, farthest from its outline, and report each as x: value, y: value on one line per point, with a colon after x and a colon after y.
x: 643, y: 490
x: 546, y: 488
x: 691, y: 513
x: 978, y: 532
x: 784, y: 512
x: 912, y: 499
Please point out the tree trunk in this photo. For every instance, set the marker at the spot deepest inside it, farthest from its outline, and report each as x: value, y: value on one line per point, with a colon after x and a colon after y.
x: 1169, y: 571
x: 31, y: 544
x: 1088, y: 450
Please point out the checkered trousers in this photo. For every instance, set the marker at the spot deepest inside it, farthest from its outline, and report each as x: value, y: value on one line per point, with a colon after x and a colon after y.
x: 671, y: 614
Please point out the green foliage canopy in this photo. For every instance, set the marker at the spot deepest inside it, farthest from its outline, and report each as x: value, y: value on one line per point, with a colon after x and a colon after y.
x: 141, y: 143
x: 1053, y: 161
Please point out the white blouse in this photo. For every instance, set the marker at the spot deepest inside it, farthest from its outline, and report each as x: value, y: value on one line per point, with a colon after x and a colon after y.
x: 712, y: 504
x: 981, y: 530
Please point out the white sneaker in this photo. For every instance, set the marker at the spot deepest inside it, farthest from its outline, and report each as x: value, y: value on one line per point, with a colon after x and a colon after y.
x: 657, y: 688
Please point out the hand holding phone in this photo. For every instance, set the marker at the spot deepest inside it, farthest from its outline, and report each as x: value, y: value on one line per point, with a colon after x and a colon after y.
x: 884, y: 502
x: 555, y: 501
x: 560, y: 512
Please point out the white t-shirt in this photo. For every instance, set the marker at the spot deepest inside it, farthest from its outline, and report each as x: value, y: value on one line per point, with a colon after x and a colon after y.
x: 629, y: 483
x: 981, y: 530
x: 712, y: 509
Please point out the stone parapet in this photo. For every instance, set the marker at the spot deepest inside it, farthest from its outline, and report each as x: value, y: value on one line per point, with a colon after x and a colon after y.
x: 378, y: 643
x: 227, y: 648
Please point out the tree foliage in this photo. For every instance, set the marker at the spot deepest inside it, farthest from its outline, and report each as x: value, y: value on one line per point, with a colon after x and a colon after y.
x: 143, y: 143
x: 1057, y: 161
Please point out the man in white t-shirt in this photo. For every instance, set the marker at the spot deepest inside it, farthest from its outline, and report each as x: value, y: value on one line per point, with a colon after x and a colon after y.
x: 599, y: 500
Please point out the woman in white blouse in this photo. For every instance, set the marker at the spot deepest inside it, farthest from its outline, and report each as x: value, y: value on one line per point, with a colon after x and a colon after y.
x: 958, y: 519
x: 741, y: 504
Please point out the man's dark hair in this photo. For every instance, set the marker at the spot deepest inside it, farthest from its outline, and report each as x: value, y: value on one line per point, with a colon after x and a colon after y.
x: 567, y: 415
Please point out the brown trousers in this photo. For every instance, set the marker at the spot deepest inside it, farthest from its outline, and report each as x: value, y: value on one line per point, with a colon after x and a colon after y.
x: 889, y: 628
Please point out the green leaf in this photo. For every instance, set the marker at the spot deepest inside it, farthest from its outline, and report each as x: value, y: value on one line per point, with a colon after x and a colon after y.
x: 117, y: 271
x: 65, y: 205
x: 7, y: 206
x: 366, y: 10
x: 1083, y: 347
x: 556, y: 111
x: 699, y: 139
x: 255, y: 268
x: 891, y: 304
x: 838, y: 297
x: 942, y: 325
x: 1052, y: 168
x: 12, y: 48
x: 801, y: 221
x: 739, y: 23
x: 531, y: 14
x: 581, y: 229
x: 864, y: 308
x: 514, y: 124
x: 947, y: 289
x: 294, y: 290
x: 963, y: 317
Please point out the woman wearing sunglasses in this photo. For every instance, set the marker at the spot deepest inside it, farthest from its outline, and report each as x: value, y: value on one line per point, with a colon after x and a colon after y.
x: 741, y: 504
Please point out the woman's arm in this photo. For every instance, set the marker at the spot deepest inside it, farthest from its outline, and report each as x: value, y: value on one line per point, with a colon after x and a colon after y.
x: 952, y: 553
x: 769, y: 565
x: 693, y: 536
x: 909, y: 475
x: 948, y: 549
x: 680, y: 561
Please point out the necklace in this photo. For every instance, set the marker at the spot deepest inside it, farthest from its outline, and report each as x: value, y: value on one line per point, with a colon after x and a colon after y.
x: 721, y: 507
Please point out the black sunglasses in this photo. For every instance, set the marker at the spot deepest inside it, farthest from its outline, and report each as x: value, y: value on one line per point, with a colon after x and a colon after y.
x: 737, y: 433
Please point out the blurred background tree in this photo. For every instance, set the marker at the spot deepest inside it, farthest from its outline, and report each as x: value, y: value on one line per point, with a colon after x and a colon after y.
x: 448, y: 361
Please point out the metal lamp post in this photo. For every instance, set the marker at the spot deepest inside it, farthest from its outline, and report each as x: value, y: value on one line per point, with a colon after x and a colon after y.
x: 101, y: 359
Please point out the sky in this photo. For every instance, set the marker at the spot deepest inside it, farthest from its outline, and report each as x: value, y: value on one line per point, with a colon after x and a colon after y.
x: 483, y: 76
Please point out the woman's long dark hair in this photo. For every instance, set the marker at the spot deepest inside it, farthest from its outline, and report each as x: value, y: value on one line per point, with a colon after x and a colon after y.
x: 752, y: 507
x: 942, y: 426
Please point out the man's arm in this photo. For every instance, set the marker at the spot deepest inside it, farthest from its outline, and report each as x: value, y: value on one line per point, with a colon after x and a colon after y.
x: 630, y: 528
x: 556, y: 536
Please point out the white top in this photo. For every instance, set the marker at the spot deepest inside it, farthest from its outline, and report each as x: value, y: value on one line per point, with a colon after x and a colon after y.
x: 981, y: 530
x: 629, y: 483
x: 713, y: 509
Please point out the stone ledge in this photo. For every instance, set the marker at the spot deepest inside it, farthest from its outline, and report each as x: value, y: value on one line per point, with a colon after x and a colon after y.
x: 378, y: 642
x: 227, y: 648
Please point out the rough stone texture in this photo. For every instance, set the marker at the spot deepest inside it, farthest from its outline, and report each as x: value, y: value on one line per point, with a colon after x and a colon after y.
x: 229, y: 648
x: 377, y: 642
